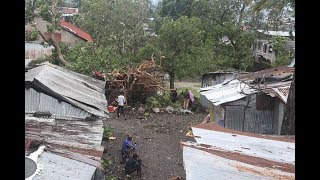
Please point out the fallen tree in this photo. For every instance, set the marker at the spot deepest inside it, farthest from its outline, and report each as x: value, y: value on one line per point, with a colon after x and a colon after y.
x: 137, y: 83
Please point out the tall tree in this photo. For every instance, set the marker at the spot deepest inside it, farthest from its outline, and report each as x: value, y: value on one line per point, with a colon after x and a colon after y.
x: 179, y: 41
x: 116, y: 24
x: 46, y: 10
x: 176, y: 8
x: 220, y: 21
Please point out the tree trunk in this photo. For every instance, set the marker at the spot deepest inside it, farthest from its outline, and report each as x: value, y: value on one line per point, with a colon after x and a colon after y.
x: 288, y: 123
x: 171, y: 80
x: 54, y: 42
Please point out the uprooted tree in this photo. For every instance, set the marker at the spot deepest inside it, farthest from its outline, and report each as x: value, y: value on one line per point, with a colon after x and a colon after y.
x: 47, y: 11
x: 137, y: 83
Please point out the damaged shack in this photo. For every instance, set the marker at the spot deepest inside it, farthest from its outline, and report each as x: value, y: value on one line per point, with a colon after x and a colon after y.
x: 221, y: 153
x: 253, y: 102
x: 64, y: 111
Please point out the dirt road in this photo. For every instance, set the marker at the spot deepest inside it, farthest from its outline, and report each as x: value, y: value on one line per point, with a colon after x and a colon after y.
x: 158, y: 142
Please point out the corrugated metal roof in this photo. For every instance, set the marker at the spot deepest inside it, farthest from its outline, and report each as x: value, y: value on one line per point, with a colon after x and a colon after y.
x: 239, y: 88
x: 221, y: 153
x: 280, y: 71
x: 56, y: 167
x: 202, y: 165
x: 75, y: 30
x: 222, y: 93
x: 35, y: 51
x: 277, y: 33
x: 83, y: 137
x: 79, y: 90
x: 39, y: 102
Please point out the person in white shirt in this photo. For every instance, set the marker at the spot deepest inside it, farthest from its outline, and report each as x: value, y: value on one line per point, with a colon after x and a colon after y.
x: 121, y: 101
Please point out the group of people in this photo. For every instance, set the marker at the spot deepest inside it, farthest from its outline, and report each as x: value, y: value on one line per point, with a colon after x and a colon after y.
x: 131, y: 159
x: 187, y: 96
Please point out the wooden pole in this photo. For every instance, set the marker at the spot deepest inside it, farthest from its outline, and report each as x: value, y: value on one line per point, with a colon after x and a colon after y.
x: 211, y: 112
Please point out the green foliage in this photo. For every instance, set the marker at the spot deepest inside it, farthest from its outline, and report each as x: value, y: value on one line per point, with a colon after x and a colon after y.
x: 158, y: 101
x: 282, y: 54
x: 30, y: 36
x: 176, y: 9
x: 180, y: 42
x: 84, y: 58
x: 106, y: 163
x: 115, y: 23
x: 146, y: 114
x: 107, y: 131
x: 152, y: 102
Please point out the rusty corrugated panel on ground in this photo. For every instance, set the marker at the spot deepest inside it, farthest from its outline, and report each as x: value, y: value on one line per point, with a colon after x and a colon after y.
x: 221, y: 153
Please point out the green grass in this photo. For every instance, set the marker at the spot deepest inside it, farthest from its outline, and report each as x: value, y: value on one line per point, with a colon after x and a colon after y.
x: 195, y: 88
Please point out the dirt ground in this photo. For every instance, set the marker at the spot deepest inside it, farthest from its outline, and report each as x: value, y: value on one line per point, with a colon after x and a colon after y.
x: 158, y: 143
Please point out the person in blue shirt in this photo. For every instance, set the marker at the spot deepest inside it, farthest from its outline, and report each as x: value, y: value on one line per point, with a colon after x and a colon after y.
x: 127, y: 148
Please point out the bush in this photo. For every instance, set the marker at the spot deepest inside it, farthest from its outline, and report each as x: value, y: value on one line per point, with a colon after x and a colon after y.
x: 159, y: 101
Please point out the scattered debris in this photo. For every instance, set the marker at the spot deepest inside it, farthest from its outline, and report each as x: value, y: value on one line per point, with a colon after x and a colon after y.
x: 169, y: 109
x: 190, y: 134
x: 156, y: 110
x: 138, y: 83
x: 112, y: 138
x: 141, y: 110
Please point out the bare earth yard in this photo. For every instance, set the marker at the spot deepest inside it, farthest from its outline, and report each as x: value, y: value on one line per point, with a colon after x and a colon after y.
x: 158, y: 143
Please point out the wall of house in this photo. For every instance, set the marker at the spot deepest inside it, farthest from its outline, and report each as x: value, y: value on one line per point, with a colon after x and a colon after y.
x: 67, y: 37
x: 243, y: 116
x: 39, y: 102
x: 278, y: 115
x: 263, y: 48
x: 35, y: 51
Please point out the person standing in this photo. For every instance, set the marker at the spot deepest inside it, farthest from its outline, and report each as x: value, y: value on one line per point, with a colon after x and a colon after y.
x: 121, y: 101
x: 186, y: 97
x: 191, y: 96
x: 174, y: 95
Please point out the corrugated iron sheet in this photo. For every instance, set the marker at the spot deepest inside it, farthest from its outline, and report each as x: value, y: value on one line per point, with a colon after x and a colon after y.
x: 234, y: 117
x: 256, y: 121
x: 226, y: 92
x: 36, y: 101
x: 70, y: 87
x: 221, y: 153
x: 259, y: 121
x: 280, y: 71
x: 56, y: 167
x: 35, y: 51
x: 269, y: 149
x: 79, y: 136
x: 202, y: 165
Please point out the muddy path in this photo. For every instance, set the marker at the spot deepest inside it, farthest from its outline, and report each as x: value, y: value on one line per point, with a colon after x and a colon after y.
x: 158, y: 143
